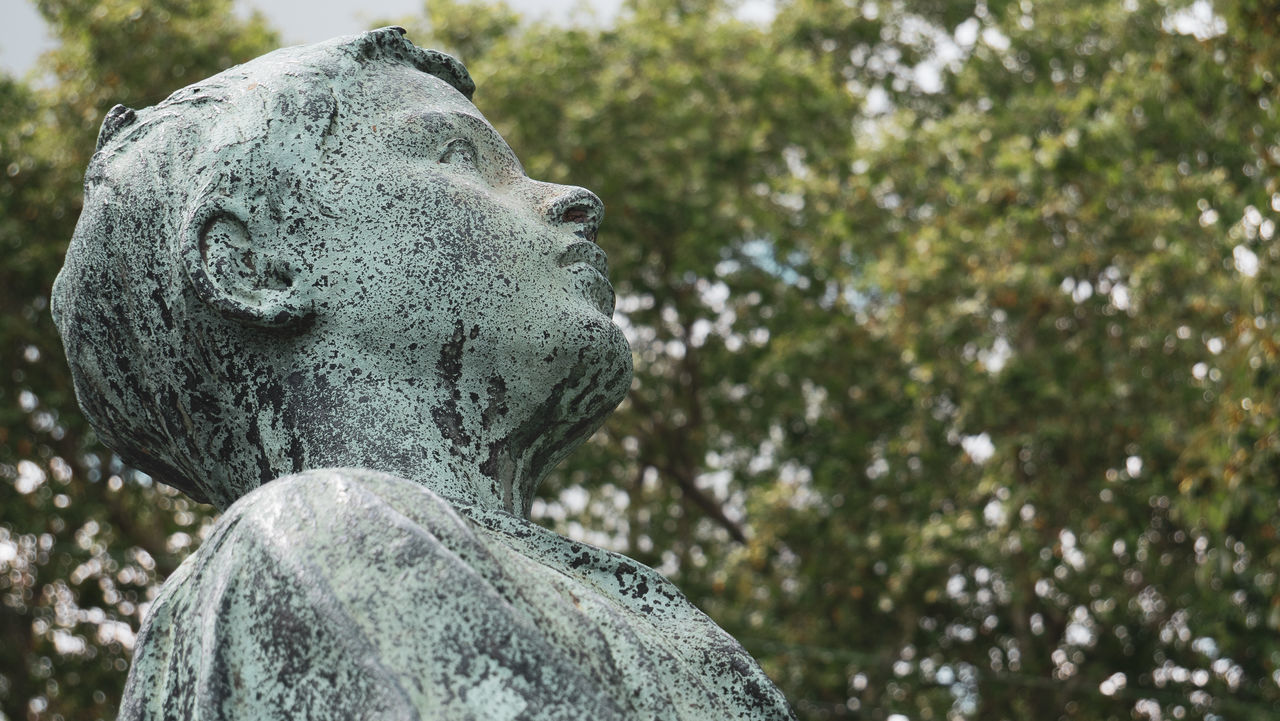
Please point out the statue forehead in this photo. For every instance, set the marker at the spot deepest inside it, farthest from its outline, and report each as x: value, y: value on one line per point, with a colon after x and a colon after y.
x: 299, y: 97
x: 378, y: 86
x: 394, y: 96
x: 397, y: 109
x: 392, y: 85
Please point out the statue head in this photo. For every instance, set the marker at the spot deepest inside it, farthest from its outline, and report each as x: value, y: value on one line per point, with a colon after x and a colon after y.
x: 328, y: 257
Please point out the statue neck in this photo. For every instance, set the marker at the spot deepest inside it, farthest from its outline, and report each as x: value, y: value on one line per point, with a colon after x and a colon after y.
x: 467, y: 447
x: 477, y: 430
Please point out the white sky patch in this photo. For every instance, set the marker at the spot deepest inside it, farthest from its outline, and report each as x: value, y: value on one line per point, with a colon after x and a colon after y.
x: 1150, y: 708
x: 1120, y: 297
x: 927, y: 77
x: 699, y: 332
x: 877, y: 101
x: 120, y: 631
x: 1205, y: 646
x: 1199, y: 20
x: 994, y: 513
x: 1078, y: 634
x: 1252, y: 216
x: 1070, y: 553
x: 967, y: 33
x: 757, y: 11
x: 24, y: 34
x: 1133, y: 466
x: 178, y: 541
x: 574, y: 499
x: 715, y: 295
x: 8, y: 552
x: 997, y: 40
x: 979, y: 447
x: 995, y: 357
x: 1113, y: 683
x: 30, y: 477
x: 1082, y: 292
x: 1246, y: 261
x: 717, y: 482
x: 67, y: 644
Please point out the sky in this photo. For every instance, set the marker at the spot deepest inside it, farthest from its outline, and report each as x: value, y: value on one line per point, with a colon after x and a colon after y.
x: 23, y: 35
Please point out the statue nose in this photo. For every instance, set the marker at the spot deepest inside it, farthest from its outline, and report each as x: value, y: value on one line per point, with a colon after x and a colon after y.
x: 577, y: 207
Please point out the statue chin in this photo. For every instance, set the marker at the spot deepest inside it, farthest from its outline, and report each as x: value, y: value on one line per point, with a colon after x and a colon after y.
x: 589, y: 386
x: 598, y: 379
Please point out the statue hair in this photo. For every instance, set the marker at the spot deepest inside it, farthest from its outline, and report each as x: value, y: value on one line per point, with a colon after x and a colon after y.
x: 149, y: 360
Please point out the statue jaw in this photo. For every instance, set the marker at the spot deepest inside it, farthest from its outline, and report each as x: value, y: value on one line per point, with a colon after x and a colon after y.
x: 569, y: 412
x: 480, y: 425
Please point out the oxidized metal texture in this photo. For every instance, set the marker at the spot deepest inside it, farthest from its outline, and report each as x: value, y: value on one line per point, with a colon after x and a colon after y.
x: 352, y: 594
x: 327, y: 258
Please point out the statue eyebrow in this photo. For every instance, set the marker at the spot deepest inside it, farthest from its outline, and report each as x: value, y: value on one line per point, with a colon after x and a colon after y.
x: 446, y: 121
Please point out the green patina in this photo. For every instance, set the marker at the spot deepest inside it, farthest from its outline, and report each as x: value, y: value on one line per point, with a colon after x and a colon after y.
x: 328, y: 259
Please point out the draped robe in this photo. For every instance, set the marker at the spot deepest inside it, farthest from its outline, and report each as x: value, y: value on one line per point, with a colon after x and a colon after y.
x: 353, y: 594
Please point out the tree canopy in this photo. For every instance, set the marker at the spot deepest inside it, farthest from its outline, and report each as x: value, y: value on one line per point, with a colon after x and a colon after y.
x: 953, y: 324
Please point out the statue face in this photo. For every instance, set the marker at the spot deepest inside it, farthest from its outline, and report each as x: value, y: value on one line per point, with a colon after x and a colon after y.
x: 435, y: 259
x: 359, y: 274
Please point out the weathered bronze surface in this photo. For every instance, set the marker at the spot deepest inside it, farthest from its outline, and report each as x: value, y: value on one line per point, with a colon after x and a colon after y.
x: 319, y: 291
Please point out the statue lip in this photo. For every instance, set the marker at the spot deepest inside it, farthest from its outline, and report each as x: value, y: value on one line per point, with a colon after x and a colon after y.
x: 588, y: 253
x: 595, y: 272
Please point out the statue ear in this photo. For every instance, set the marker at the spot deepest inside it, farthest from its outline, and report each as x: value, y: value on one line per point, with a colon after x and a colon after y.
x: 234, y: 274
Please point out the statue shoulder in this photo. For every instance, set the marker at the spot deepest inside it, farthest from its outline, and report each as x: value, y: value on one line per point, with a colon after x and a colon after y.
x: 253, y: 624
x: 340, y: 594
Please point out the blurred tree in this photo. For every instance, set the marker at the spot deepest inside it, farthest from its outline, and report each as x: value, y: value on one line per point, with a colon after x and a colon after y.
x: 1063, y: 272
x: 953, y: 330
x: 968, y: 406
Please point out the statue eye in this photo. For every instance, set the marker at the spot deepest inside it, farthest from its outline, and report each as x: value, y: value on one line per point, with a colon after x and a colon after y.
x: 459, y: 151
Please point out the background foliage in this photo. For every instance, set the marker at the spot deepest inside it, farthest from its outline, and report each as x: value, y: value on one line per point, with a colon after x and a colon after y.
x: 954, y: 325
